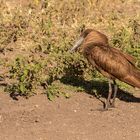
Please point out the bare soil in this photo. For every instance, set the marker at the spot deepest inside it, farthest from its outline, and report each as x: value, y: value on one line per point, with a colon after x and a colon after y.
x: 76, y: 118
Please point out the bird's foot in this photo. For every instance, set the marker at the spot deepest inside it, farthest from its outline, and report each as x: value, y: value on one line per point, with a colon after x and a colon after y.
x: 106, y: 106
x: 111, y: 104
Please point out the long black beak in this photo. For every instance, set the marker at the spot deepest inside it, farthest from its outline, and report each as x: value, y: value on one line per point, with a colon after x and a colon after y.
x: 77, y: 45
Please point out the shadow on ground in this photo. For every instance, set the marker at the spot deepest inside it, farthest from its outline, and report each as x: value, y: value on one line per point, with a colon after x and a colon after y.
x: 95, y: 88
x: 100, y: 89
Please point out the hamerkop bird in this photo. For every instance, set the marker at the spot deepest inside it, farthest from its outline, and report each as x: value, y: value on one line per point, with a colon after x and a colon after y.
x: 109, y: 61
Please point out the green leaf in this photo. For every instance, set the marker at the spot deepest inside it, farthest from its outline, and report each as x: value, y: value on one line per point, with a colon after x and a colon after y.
x: 22, y: 88
x: 67, y: 95
x: 50, y: 96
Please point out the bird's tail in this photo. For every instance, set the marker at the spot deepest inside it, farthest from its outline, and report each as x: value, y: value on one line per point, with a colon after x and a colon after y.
x: 133, y: 79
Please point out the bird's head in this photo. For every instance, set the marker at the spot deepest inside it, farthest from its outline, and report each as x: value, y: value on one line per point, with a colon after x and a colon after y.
x: 81, y: 39
x: 90, y: 36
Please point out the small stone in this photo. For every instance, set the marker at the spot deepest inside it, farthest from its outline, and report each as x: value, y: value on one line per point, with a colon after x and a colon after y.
x: 37, y: 120
x: 36, y: 106
x: 50, y: 122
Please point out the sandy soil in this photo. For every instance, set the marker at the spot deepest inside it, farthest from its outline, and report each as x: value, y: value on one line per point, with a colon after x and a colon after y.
x: 76, y: 118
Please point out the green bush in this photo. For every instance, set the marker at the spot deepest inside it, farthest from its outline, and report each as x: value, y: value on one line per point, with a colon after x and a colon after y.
x: 26, y: 77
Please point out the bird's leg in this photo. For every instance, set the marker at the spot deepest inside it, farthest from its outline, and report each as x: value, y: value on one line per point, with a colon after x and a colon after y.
x: 107, y: 104
x: 115, y: 93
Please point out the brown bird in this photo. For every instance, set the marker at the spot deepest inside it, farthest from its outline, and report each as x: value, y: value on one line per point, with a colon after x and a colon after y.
x: 109, y: 61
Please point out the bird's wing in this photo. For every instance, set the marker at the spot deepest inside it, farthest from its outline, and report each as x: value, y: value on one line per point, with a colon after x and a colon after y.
x: 115, y: 63
x: 130, y: 58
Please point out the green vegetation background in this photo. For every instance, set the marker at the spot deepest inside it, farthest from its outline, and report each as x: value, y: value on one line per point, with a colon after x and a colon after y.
x: 35, y: 39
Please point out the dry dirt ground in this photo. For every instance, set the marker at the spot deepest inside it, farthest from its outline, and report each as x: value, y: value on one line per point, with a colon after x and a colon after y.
x: 76, y: 118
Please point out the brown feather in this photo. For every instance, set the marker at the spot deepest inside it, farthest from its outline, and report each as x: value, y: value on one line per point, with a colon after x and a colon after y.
x: 95, y: 37
x: 112, y: 64
x: 130, y: 58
